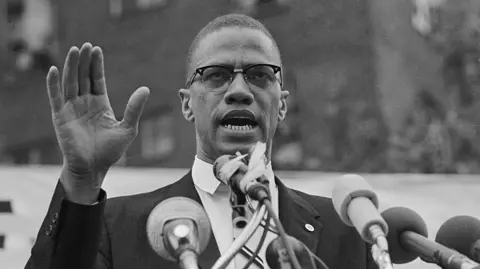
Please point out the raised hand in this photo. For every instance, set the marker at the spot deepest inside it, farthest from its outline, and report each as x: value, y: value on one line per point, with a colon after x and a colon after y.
x: 90, y: 137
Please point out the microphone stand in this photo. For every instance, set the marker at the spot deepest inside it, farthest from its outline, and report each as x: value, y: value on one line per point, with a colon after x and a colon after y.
x: 381, y: 257
x: 252, y: 183
x: 242, y: 239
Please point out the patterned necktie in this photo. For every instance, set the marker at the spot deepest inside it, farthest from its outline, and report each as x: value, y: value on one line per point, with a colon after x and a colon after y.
x: 241, y: 214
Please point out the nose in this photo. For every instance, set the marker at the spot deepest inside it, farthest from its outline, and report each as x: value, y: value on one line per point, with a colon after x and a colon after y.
x: 239, y: 92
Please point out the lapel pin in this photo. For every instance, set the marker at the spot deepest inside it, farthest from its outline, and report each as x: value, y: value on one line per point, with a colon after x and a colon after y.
x: 309, y: 227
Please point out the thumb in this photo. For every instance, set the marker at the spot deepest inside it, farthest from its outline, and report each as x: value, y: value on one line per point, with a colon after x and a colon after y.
x: 135, y: 106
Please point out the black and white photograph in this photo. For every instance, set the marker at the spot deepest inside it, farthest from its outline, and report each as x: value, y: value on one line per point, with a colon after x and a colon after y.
x: 239, y: 134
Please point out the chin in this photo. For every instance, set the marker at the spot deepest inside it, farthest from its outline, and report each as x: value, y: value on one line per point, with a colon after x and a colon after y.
x: 233, y: 148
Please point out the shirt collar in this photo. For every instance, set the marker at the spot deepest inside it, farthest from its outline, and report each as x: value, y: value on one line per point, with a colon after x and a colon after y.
x: 204, y: 179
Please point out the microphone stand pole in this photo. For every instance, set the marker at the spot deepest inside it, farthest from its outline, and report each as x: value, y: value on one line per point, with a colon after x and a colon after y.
x: 246, y: 234
x: 381, y: 257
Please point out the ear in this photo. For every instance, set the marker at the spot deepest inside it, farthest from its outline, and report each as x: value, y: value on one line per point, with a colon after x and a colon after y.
x: 282, y: 111
x: 186, y: 100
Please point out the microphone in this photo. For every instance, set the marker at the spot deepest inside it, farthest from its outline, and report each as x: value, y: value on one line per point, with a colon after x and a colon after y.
x: 178, y: 229
x: 408, y: 240
x: 461, y: 233
x: 277, y: 257
x: 230, y: 169
x: 251, y: 181
x: 402, y: 220
x: 357, y: 205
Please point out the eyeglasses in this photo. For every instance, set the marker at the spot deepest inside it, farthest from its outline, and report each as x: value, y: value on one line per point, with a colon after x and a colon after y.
x: 262, y: 76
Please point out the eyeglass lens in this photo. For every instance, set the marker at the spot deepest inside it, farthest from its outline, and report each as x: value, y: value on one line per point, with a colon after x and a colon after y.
x: 261, y: 76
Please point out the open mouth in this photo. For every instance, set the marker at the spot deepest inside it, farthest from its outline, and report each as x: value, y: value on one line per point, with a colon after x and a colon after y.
x: 239, y: 120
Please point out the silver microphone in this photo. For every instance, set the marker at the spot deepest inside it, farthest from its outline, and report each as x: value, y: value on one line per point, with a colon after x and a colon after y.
x: 178, y: 229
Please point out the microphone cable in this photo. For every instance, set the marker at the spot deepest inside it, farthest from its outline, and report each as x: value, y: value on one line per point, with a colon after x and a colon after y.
x: 279, y: 232
x: 246, y: 234
x: 260, y: 244
x: 262, y: 241
x: 283, y: 234
x: 280, y: 229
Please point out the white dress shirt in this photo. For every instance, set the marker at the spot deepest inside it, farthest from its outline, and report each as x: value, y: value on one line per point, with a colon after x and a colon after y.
x: 215, y: 198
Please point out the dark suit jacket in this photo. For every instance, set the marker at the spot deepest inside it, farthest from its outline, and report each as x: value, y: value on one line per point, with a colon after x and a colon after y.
x: 112, y: 234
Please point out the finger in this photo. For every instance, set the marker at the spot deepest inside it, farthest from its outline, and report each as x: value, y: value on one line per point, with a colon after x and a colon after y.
x: 135, y: 106
x: 97, y: 72
x: 55, y: 94
x: 70, y: 74
x: 84, y: 69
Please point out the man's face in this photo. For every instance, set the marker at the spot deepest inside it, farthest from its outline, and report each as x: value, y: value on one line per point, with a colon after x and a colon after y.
x: 232, y: 115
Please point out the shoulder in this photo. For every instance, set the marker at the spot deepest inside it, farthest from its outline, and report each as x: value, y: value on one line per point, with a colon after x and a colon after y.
x: 326, y: 212
x: 335, y: 233
x: 313, y: 199
x: 135, y: 206
x: 322, y: 204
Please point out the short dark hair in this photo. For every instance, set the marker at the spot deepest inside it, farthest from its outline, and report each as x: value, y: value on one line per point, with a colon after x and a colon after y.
x: 229, y: 20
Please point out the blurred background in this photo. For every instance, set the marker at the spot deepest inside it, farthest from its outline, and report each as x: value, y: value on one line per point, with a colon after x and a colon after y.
x: 377, y: 87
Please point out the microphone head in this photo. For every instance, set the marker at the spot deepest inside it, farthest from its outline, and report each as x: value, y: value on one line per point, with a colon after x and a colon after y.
x: 276, y: 248
x: 461, y: 233
x: 399, y: 220
x: 347, y: 188
x: 226, y: 165
x: 173, y: 209
x: 218, y: 165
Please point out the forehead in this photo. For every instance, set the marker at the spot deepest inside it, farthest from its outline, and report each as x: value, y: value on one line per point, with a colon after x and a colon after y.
x: 235, y: 46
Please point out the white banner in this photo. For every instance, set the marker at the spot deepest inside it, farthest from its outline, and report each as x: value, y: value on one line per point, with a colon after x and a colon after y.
x: 29, y: 190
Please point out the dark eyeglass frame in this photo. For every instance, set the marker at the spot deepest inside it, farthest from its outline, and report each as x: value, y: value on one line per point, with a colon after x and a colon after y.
x: 233, y: 71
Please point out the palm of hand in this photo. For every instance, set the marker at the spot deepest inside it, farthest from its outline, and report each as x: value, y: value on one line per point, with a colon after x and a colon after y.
x: 90, y: 137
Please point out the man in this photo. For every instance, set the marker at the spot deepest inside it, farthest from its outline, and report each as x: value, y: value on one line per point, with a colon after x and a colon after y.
x: 234, y: 97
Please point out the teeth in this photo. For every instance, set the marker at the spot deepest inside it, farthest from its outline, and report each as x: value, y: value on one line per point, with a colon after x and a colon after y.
x: 243, y: 128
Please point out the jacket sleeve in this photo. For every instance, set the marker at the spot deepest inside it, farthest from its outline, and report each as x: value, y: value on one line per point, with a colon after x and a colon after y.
x: 72, y: 236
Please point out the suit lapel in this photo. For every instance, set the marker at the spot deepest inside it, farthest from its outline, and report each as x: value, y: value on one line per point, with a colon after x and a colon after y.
x: 185, y: 187
x: 298, y: 217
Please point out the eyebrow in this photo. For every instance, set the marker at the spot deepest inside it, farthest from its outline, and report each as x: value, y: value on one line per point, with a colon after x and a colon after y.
x: 231, y: 65
x: 261, y: 58
x: 232, y: 62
